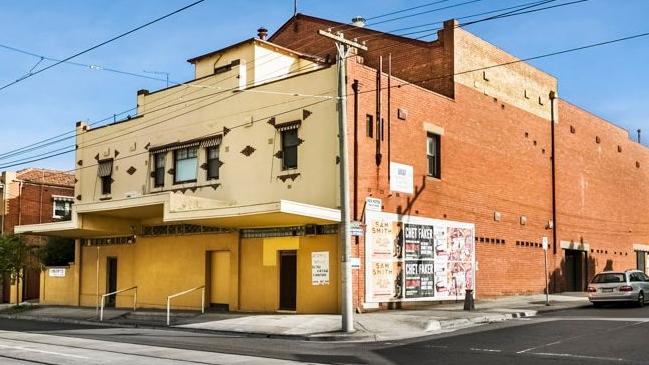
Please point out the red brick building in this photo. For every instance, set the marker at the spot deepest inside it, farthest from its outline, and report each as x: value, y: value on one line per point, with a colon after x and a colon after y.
x: 32, y: 196
x: 490, y: 164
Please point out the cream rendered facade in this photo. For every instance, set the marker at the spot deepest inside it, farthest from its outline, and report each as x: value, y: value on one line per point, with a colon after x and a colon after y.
x: 249, y: 234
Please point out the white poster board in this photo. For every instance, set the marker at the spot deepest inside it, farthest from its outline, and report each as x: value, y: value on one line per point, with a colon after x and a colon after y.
x: 401, y: 178
x: 417, y: 259
x: 320, y: 268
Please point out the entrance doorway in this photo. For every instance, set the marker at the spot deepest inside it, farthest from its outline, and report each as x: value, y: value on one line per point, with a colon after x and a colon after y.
x: 287, y: 280
x: 6, y: 287
x: 575, y: 270
x: 219, y: 278
x: 31, y: 284
x: 111, y: 280
x: 641, y: 259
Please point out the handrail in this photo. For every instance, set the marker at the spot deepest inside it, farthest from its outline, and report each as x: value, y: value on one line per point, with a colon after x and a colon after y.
x: 183, y: 293
x: 103, y: 300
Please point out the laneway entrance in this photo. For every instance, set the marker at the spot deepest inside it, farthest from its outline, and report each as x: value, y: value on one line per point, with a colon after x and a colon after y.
x: 287, y: 280
x: 219, y: 279
x: 575, y: 268
x: 111, y: 280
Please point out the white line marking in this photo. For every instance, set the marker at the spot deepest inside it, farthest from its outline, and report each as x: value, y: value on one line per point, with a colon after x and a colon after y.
x: 43, y: 351
x: 485, y: 350
x: 576, y: 356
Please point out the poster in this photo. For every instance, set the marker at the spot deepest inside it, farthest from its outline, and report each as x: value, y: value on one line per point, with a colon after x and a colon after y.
x: 401, y: 178
x: 415, y: 258
x: 320, y: 268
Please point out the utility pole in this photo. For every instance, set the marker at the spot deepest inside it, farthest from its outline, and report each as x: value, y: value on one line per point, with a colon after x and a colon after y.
x: 343, y: 46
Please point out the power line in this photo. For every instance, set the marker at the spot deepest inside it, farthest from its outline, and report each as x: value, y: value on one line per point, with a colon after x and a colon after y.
x: 99, y: 45
x: 15, y: 152
x: 426, y: 12
x: 61, y: 151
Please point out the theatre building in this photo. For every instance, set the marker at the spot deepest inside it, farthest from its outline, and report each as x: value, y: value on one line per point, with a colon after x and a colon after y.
x: 230, y: 181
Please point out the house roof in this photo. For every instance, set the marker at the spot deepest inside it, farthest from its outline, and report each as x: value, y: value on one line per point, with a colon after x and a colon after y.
x: 46, y: 176
x: 261, y: 43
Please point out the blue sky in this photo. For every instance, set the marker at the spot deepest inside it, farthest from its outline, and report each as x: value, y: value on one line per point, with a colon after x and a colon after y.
x: 610, y: 81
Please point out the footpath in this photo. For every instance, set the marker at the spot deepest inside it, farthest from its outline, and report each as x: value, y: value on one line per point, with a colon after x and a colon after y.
x: 381, y: 325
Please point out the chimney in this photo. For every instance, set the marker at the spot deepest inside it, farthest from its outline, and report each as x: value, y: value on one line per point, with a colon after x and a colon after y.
x: 639, y: 131
x: 358, y: 21
x: 262, y: 33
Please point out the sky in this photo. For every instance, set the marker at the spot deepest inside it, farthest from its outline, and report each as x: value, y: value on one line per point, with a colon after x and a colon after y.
x: 610, y: 81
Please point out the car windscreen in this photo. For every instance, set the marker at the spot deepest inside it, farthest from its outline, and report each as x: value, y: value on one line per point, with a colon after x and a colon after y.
x: 609, y: 278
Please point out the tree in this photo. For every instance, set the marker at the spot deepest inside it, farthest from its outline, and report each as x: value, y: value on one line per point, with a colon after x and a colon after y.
x: 57, y: 251
x: 15, y: 256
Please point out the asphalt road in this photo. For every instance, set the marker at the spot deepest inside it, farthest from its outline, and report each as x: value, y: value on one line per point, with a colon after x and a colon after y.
x: 581, y: 336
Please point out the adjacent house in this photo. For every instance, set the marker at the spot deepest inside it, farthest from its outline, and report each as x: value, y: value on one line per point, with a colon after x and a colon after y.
x: 32, y: 196
x: 463, y: 163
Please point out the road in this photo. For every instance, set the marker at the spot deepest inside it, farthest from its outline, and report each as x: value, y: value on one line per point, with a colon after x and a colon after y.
x: 588, y: 335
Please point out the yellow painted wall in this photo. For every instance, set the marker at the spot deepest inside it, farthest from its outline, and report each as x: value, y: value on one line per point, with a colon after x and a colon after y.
x: 159, y: 266
x: 58, y: 290
x: 260, y: 276
x: 183, y: 113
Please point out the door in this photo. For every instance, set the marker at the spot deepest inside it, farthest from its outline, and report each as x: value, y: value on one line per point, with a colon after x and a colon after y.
x: 31, y: 284
x: 287, y: 280
x: 574, y: 274
x: 111, y: 280
x: 641, y: 260
x: 6, y: 287
x: 220, y: 279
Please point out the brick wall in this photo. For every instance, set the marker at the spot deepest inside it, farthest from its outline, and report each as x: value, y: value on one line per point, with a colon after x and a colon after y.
x: 33, y: 205
x: 412, y: 59
x: 496, y: 158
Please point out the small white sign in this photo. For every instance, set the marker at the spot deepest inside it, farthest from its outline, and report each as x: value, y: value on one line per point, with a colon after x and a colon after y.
x: 356, y: 228
x: 401, y: 178
x: 373, y: 204
x: 545, y: 242
x: 56, y: 272
x: 355, y: 262
x: 320, y: 268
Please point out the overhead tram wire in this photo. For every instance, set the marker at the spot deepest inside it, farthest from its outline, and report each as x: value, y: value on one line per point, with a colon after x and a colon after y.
x: 188, y: 83
x: 374, y: 50
x: 570, y: 50
x: 540, y: 2
x: 408, y: 9
x: 34, y: 73
x: 425, y: 12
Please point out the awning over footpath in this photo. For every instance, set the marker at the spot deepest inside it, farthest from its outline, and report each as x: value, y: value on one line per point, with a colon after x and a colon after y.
x: 126, y: 216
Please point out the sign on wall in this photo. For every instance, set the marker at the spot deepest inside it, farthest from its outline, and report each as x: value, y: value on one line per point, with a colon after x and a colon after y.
x: 415, y: 258
x: 401, y: 178
x: 58, y: 272
x: 320, y: 268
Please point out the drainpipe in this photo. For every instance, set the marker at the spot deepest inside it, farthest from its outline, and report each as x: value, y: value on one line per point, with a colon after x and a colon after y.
x: 389, y: 111
x: 40, y: 203
x: 20, y: 202
x: 553, y: 96
x: 355, y: 87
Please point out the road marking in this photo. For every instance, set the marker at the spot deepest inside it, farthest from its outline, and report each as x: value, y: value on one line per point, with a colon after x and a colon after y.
x: 43, y: 351
x: 485, y: 350
x: 577, y: 356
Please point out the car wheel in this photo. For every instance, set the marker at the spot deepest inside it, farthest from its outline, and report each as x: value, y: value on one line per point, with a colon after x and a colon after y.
x: 641, y: 299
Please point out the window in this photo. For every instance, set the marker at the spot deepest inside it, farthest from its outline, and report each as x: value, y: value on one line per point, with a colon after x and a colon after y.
x: 635, y: 277
x: 159, y: 169
x: 434, y: 158
x: 608, y: 278
x: 369, y: 126
x: 213, y: 162
x: 185, y: 164
x: 105, y: 172
x: 62, y: 207
x: 290, y: 141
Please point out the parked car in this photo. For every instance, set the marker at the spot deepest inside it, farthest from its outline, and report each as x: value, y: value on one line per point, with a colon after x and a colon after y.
x: 619, y: 286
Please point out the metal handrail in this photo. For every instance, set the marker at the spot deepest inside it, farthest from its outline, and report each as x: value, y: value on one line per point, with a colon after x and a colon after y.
x: 183, y: 293
x: 103, y: 300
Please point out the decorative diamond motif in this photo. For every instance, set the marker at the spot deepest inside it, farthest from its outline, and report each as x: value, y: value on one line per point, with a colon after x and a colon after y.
x: 288, y: 176
x: 248, y: 151
x: 306, y: 113
x: 131, y: 170
x: 279, y: 154
x: 226, y: 130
